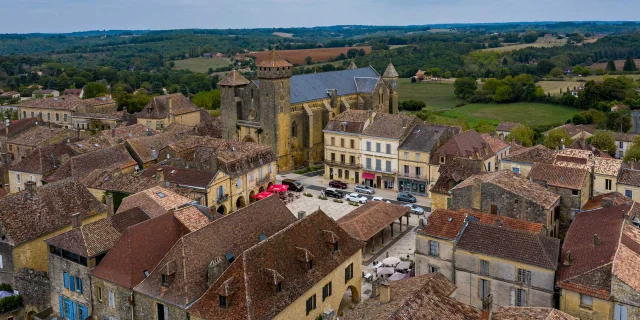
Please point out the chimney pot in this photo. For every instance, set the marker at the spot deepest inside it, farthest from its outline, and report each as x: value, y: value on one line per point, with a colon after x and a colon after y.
x: 159, y: 174
x: 301, y: 215
x: 385, y: 292
x: 76, y: 220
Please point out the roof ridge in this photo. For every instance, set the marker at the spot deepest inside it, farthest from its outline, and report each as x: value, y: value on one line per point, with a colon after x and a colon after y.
x: 590, y: 270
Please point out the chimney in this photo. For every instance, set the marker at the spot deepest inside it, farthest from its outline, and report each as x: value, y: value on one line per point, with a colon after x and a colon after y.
x: 113, y: 133
x: 214, y: 270
x: 76, y: 220
x: 567, y: 259
x: 109, y: 203
x: 159, y: 175
x: 596, y: 240
x: 404, y: 123
x: 385, y: 292
x: 607, y: 202
x: 476, y: 194
x: 30, y: 187
x: 301, y: 215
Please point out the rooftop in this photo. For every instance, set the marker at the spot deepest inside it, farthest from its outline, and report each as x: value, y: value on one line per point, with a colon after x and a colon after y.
x: 428, y: 137
x: 392, y: 126
x: 621, y: 136
x: 146, y: 149
x: 559, y: 176
x: 507, y: 126
x: 44, y: 159
x: 233, y: 78
x: 314, y: 86
x: 369, y: 219
x: 37, y: 136
x: 66, y: 102
x: 455, y: 172
x: 629, y: 176
x: 351, y: 121
x: 274, y: 59
x: 468, y: 144
x: 574, y: 129
x: 607, y: 166
x: 108, y: 180
x: 530, y: 313
x: 154, y: 201
x: 159, y: 107
x: 495, y: 144
x: 17, y: 126
x: 537, y: 153
x: 181, y: 176
x: 110, y: 158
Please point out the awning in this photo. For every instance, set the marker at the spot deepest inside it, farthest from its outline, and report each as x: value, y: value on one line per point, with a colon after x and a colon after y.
x: 263, y: 195
x: 278, y: 188
x: 368, y: 176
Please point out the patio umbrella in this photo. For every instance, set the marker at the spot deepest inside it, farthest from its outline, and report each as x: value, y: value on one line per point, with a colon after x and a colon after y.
x: 278, y: 188
x: 263, y: 195
x: 391, y: 261
x: 404, y: 265
x: 385, y: 271
x: 397, y: 276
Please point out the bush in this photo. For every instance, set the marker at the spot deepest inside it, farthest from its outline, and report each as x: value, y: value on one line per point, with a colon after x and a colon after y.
x: 6, y: 287
x: 306, y: 194
x: 10, y: 303
x: 321, y: 197
x: 338, y: 201
x: 411, y: 105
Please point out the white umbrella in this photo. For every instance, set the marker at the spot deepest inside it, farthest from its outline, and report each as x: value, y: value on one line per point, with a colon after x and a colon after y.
x: 385, y: 271
x: 391, y: 261
x: 397, y: 276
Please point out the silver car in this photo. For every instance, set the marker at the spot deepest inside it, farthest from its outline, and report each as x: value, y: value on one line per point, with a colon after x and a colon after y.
x: 354, y: 197
x: 414, y: 209
x: 364, y: 189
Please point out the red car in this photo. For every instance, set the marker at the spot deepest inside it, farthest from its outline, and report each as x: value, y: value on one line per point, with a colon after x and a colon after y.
x: 337, y: 184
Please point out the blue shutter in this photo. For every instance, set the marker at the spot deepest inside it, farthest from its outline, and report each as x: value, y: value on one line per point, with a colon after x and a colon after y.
x: 72, y: 283
x: 84, y: 313
x: 66, y: 280
x: 79, y: 285
x: 61, y: 306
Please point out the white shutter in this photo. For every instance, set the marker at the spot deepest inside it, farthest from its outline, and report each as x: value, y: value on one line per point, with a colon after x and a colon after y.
x: 513, y: 296
x: 623, y: 313
x: 112, y: 299
x: 1, y: 262
x: 616, y: 312
x: 166, y: 313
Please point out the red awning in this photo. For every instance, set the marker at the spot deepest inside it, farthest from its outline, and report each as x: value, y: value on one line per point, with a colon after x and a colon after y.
x: 368, y: 176
x: 262, y: 195
x: 278, y: 188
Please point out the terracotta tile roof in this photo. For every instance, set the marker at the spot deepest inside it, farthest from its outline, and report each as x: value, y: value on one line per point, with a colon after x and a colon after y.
x: 616, y: 199
x: 427, y: 138
x: 512, y: 223
x: 575, y: 153
x: 559, y: 176
x: 95, y: 102
x: 108, y: 180
x: 582, y: 144
x: 38, y: 135
x: 506, y: 243
x: 26, y: 216
x: 143, y: 148
x: 507, y: 126
x: 515, y: 184
x: 529, y: 313
x: 75, y: 92
x: 465, y: 145
x: 233, y: 233
x: 425, y: 297
x: 124, y: 133
x: 233, y: 78
x: 209, y: 126
x: 91, y: 144
x: 538, y: 153
x: 454, y: 172
x: 181, y: 176
x: 110, y: 158
x: 495, y: 144
x: 573, y: 129
x: 251, y: 276
x: 68, y: 102
x: 139, y: 249
x: 367, y: 220
x: 626, y: 137
x: 154, y: 201
x: 354, y: 120
x: 627, y: 259
x: 630, y: 177
x: 191, y: 218
x: 274, y: 60
x: 98, y: 237
x: 17, y: 126
x: 179, y: 129
x: 44, y: 159
x: 158, y: 107
x: 609, y: 167
x: 444, y: 224
x: 393, y: 126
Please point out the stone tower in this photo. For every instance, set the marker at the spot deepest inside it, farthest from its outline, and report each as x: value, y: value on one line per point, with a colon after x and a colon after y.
x: 390, y: 77
x: 230, y: 103
x: 274, y: 81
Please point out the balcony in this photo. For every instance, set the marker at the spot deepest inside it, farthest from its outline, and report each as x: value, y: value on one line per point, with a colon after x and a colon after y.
x: 379, y: 169
x: 222, y: 199
x: 346, y: 164
x: 413, y: 175
x: 266, y: 179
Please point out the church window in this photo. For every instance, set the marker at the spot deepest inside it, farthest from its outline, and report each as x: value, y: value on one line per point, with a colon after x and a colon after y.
x: 281, y: 109
x: 294, y: 129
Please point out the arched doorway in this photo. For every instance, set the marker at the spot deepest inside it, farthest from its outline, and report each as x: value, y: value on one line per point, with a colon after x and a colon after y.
x: 248, y: 139
x: 240, y: 203
x: 350, y: 298
x: 261, y: 189
x: 222, y: 210
x: 251, y: 194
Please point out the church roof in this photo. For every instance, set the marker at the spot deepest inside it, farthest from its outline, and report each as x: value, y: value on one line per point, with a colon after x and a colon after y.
x: 233, y: 78
x: 274, y: 59
x: 310, y: 87
x: 390, y: 72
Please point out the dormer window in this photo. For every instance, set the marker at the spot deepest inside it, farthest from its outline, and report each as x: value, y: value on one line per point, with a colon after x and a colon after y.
x: 222, y: 301
x: 165, y: 280
x: 310, y: 265
x: 279, y: 287
x: 335, y: 247
x: 230, y: 257
x: 146, y: 273
x: 262, y: 237
x: 442, y: 159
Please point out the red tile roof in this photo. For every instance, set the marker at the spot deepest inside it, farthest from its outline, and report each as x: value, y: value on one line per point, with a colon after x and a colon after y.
x: 273, y: 60
x: 158, y: 107
x: 111, y: 158
x: 369, y: 219
x: 530, y: 313
x: 154, y: 201
x: 468, y: 144
x: 559, y: 176
x: 233, y: 78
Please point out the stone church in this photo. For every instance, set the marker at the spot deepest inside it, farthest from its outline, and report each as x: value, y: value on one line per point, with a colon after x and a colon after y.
x: 289, y: 112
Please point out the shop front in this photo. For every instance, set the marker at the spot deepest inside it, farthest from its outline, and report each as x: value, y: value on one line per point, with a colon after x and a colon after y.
x: 415, y: 187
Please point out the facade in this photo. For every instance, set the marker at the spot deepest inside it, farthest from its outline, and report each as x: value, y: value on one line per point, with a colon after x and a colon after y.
x: 60, y: 110
x: 449, y: 175
x: 39, y: 163
x: 21, y: 145
x: 578, y: 131
x: 521, y: 161
x: 629, y: 181
x: 503, y: 130
x: 200, y: 182
x: 97, y: 121
x: 623, y: 142
x: 47, y: 93
x: 163, y: 111
x: 573, y: 184
x: 500, y: 148
x: 342, y: 148
x: 290, y: 112
x: 605, y: 175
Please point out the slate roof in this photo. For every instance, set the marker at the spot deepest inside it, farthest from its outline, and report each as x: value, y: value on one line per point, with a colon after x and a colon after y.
x: 509, y: 244
x: 233, y: 78
x: 530, y: 313
x: 366, y: 85
x: 537, y: 153
x: 194, y: 252
x: 181, y: 176
x: 390, y: 72
x: 110, y: 158
x: 559, y: 176
x: 314, y: 86
x: 37, y: 136
x: 158, y: 107
x: 513, y: 183
x: 454, y: 172
x: 98, y: 237
x: 425, y: 297
x: 252, y: 275
x: 391, y: 126
x: 354, y: 120
x: 154, y: 201
x: 466, y: 145
x: 428, y: 137
x: 369, y: 219
x: 139, y: 249
x: 142, y: 148
x: 26, y: 216
x: 507, y: 126
x: 43, y: 159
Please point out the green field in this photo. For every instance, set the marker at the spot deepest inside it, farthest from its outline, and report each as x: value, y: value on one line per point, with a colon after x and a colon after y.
x: 435, y: 95
x: 201, y: 65
x: 526, y: 112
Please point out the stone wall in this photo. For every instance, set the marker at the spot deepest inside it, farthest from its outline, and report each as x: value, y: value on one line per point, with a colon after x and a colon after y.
x: 146, y: 307
x: 627, y: 296
x: 34, y: 288
x: 57, y: 267
x: 122, y: 296
x: 6, y: 272
x: 444, y: 262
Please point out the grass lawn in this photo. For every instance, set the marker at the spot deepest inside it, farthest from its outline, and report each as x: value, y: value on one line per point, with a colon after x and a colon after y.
x: 201, y: 65
x: 554, y: 87
x: 543, y: 42
x: 527, y: 112
x: 435, y: 95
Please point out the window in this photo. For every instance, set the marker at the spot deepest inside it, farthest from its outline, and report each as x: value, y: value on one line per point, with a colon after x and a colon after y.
x: 621, y: 145
x: 406, y: 155
x: 518, y: 297
x: 24, y: 114
x: 388, y: 165
x: 352, y: 159
x: 281, y: 109
x: 378, y: 164
x: 294, y: 129
x: 336, y: 247
x: 78, y: 285
x: 99, y: 293
x: 406, y: 169
x: 230, y: 257
x: 489, y: 166
x: 162, y: 312
x: 348, y: 273
x: 485, y: 288
x: 311, y: 304
x: 333, y: 157
x: 18, y: 177
x: 418, y: 172
x: 586, y: 301
x: 524, y: 276
x: 161, y: 195
x: 516, y: 170
x: 269, y: 168
x: 388, y: 148
x: 239, y: 183
x: 222, y: 301
x: 368, y: 163
x: 368, y: 145
x: 326, y: 291
x: 433, y: 248
x: 65, y: 279
x: 48, y: 116
x: 342, y: 158
x: 165, y: 280
x: 620, y: 154
x: 607, y: 184
x: 433, y: 269
x: 279, y: 287
x: 353, y: 144
x: 342, y: 142
x: 441, y: 159
x: 333, y: 141
x: 346, y: 174
x: 418, y: 157
x: 620, y: 312
x: 262, y: 237
x: 310, y: 264
x: 112, y: 299
x: 377, y: 146
x: 628, y: 194
x: 65, y: 118
x: 484, y: 267
x: 575, y: 192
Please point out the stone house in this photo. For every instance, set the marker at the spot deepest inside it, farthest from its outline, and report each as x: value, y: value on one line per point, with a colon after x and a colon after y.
x: 449, y: 175
x: 300, y: 272
x: 623, y: 142
x: 605, y: 175
x: 598, y: 277
x: 162, y: 111
x: 342, y: 145
x: 73, y: 254
x: 414, y: 156
x: 503, y: 130
x: 521, y: 161
x: 577, y: 131
x: 508, y: 194
x: 288, y: 112
x: 154, y: 201
x: 98, y: 121
x: 500, y: 148
x: 199, y: 181
x: 629, y: 181
x: 199, y: 258
x: 60, y: 110
x: 42, y: 162
x: 19, y: 146
x: 10, y: 129
x: 47, y: 93
x: 145, y: 150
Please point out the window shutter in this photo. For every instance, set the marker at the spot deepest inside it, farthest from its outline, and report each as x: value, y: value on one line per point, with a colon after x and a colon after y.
x: 513, y: 296
x: 616, y: 312
x: 479, y: 288
x: 61, y: 306
x: 112, y: 299
x: 72, y: 283
x: 623, y: 313
x: 1, y: 262
x: 166, y: 313
x: 79, y: 285
x: 66, y: 280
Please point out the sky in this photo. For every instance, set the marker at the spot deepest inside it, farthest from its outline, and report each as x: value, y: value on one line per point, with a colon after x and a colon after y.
x: 81, y: 15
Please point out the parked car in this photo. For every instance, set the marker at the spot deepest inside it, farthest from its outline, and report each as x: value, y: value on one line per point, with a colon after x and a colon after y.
x: 380, y: 199
x: 364, y: 189
x: 406, y: 197
x: 415, y: 209
x: 337, y: 184
x: 294, y: 185
x: 333, y: 193
x: 356, y: 198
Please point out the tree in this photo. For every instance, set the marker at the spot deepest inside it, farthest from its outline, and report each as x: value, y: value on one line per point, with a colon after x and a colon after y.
x: 629, y: 65
x: 209, y: 100
x: 95, y: 89
x: 156, y: 88
x: 352, y: 53
x: 556, y: 72
x: 579, y: 119
x: 556, y: 138
x: 611, y: 66
x: 530, y: 37
x: 63, y: 82
x: 604, y: 141
x: 411, y: 105
x: 504, y: 93
x: 460, y: 73
x: 362, y: 53
x: 308, y: 60
x: 484, y: 127
x: 619, y: 121
x: 522, y: 134
x: 544, y: 67
x: 465, y: 88
x: 425, y: 115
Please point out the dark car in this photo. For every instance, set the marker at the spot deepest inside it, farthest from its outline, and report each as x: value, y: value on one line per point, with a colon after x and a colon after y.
x: 294, y: 185
x: 333, y: 193
x: 337, y: 184
x: 406, y: 197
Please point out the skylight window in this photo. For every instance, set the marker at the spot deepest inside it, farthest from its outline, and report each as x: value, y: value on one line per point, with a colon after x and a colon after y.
x: 262, y: 237
x: 161, y: 195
